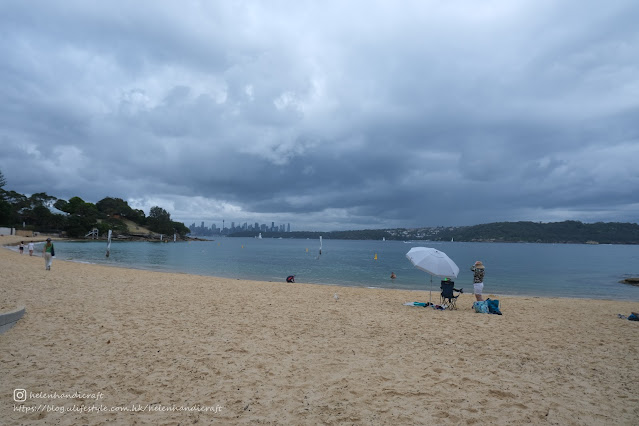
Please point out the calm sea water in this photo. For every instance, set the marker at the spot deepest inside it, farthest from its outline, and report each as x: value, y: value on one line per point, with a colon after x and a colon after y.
x: 559, y: 270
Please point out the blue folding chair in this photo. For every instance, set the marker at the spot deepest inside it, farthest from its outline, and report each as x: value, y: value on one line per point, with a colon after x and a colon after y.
x: 448, y: 294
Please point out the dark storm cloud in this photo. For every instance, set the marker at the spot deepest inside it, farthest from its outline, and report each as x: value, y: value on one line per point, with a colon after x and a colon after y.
x: 328, y: 116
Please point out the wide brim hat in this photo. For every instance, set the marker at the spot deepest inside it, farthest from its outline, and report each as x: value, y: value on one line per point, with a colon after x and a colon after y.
x: 48, y: 239
x: 478, y: 264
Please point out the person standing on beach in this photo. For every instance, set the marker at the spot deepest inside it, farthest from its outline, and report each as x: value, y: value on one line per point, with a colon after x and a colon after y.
x: 30, y: 248
x: 21, y: 247
x: 48, y: 253
x: 478, y: 279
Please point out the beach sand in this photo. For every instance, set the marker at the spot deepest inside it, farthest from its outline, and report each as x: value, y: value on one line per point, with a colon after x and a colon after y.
x: 278, y: 353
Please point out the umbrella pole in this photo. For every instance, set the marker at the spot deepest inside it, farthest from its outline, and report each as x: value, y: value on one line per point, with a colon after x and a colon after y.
x: 430, y: 297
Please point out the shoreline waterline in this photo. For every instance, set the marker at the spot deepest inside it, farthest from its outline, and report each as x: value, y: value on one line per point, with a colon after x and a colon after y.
x: 435, y: 290
x: 345, y: 265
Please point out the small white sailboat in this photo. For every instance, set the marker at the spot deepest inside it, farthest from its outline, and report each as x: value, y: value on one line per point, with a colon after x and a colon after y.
x: 320, y: 249
x: 259, y: 236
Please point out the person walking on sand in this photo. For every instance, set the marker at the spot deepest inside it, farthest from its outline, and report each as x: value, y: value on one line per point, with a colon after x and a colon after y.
x: 30, y: 248
x: 478, y: 279
x: 21, y: 247
x: 48, y: 252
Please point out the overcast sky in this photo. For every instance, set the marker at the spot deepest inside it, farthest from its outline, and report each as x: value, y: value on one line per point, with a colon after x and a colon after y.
x: 328, y: 115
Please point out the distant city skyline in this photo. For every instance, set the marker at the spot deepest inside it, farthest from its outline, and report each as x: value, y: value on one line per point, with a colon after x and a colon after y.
x: 202, y: 229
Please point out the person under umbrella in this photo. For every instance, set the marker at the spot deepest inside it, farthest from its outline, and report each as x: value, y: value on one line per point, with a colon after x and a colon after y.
x: 434, y: 262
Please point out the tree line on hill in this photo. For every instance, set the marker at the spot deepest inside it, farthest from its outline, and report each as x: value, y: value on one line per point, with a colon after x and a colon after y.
x: 569, y: 231
x: 77, y: 217
x: 531, y: 232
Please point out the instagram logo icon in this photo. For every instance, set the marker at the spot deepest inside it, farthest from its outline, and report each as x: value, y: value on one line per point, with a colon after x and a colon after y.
x: 19, y: 395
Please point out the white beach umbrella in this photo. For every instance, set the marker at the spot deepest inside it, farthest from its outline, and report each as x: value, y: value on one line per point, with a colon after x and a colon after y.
x: 434, y: 262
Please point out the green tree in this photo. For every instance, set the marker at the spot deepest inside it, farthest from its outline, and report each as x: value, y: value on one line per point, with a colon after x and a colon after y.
x: 11, y: 207
x: 41, y: 199
x: 6, y: 210
x: 61, y: 205
x: 6, y: 213
x: 180, y: 228
x: 159, y: 221
x: 43, y: 219
x: 78, y: 226
x: 138, y: 216
x: 33, y: 207
x: 18, y: 201
x: 77, y: 206
x: 111, y: 206
x: 82, y: 217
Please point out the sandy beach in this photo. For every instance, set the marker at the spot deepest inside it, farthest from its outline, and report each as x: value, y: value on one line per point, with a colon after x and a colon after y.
x: 122, y: 346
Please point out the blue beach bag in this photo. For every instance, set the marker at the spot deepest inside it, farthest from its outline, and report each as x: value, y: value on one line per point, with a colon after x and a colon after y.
x: 493, y: 306
x: 480, y: 307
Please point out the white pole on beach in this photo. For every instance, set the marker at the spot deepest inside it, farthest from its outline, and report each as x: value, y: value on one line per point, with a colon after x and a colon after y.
x: 108, y: 244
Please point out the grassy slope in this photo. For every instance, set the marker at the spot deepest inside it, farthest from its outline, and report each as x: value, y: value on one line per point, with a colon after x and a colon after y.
x: 135, y: 228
